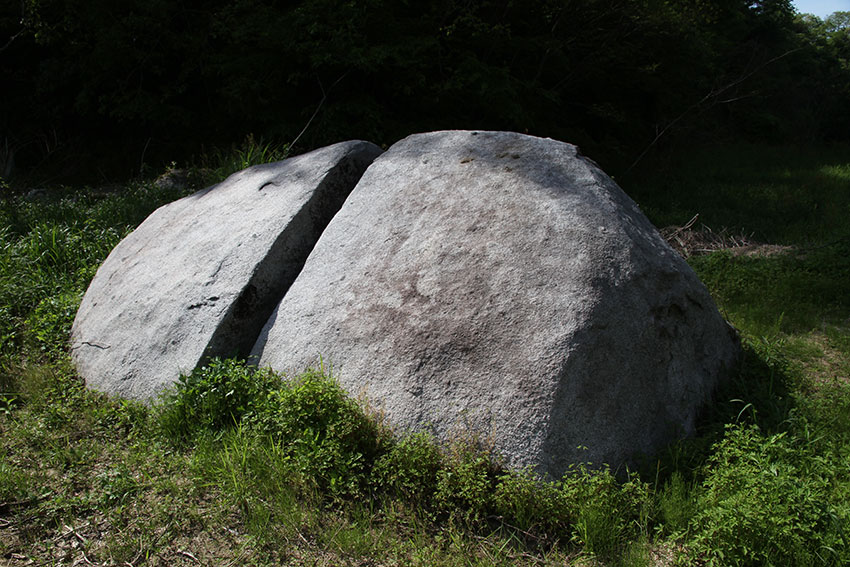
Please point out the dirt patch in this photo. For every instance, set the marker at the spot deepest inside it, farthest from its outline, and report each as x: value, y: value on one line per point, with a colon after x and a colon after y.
x: 100, y: 539
x: 828, y: 366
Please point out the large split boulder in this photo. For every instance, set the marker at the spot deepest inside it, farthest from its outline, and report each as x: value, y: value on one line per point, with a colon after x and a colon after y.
x: 502, y: 284
x: 200, y: 276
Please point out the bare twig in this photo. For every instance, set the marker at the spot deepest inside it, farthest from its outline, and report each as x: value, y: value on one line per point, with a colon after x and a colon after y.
x: 187, y: 554
x: 321, y: 102
x: 689, y: 224
x: 714, y: 98
x: 73, y: 531
x: 142, y: 159
x: 12, y: 39
x: 688, y: 240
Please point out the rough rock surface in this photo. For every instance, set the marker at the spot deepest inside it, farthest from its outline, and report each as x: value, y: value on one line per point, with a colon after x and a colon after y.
x: 201, y: 275
x: 502, y: 284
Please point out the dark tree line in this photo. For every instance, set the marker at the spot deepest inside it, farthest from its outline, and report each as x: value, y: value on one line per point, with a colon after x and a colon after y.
x: 96, y: 87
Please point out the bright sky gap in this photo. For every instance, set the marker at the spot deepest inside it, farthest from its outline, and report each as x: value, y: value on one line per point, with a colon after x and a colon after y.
x: 821, y: 8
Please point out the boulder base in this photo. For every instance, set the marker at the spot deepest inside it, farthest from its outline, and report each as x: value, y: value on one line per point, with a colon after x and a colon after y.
x: 201, y: 275
x: 503, y: 284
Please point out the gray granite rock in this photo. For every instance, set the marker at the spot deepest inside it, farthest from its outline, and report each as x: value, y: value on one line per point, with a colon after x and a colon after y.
x: 201, y: 275
x: 502, y: 284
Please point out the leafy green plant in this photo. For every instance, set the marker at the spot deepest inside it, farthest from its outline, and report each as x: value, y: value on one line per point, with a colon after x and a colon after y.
x: 466, y: 482
x: 328, y: 435
x: 410, y: 467
x: 212, y: 397
x: 534, y: 506
x: 309, y: 421
x: 49, y: 324
x: 766, y: 501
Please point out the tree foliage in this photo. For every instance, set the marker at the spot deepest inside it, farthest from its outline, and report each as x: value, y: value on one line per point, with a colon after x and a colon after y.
x: 138, y: 81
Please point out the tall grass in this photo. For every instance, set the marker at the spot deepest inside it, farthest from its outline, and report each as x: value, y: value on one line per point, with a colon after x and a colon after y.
x: 217, y: 164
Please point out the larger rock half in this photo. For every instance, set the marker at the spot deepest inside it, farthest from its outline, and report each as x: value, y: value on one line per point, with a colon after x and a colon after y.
x: 200, y: 276
x: 501, y: 284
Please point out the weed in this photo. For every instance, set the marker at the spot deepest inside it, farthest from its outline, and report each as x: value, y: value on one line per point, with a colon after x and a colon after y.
x: 219, y: 164
x: 676, y: 503
x: 465, y: 485
x: 607, y: 513
x: 766, y: 500
x: 328, y: 435
x: 410, y: 467
x: 211, y: 398
x: 117, y: 485
x: 535, y: 507
x: 49, y: 324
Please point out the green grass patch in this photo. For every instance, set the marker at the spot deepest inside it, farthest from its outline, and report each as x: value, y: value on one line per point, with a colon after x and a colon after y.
x: 791, y: 293
x: 779, y: 195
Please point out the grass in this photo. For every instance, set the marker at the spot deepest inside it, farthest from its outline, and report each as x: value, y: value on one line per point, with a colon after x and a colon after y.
x: 779, y: 195
x: 240, y: 467
x: 217, y: 164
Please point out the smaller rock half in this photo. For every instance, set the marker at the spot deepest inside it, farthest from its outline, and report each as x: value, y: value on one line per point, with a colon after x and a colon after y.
x: 200, y: 276
x: 501, y: 284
